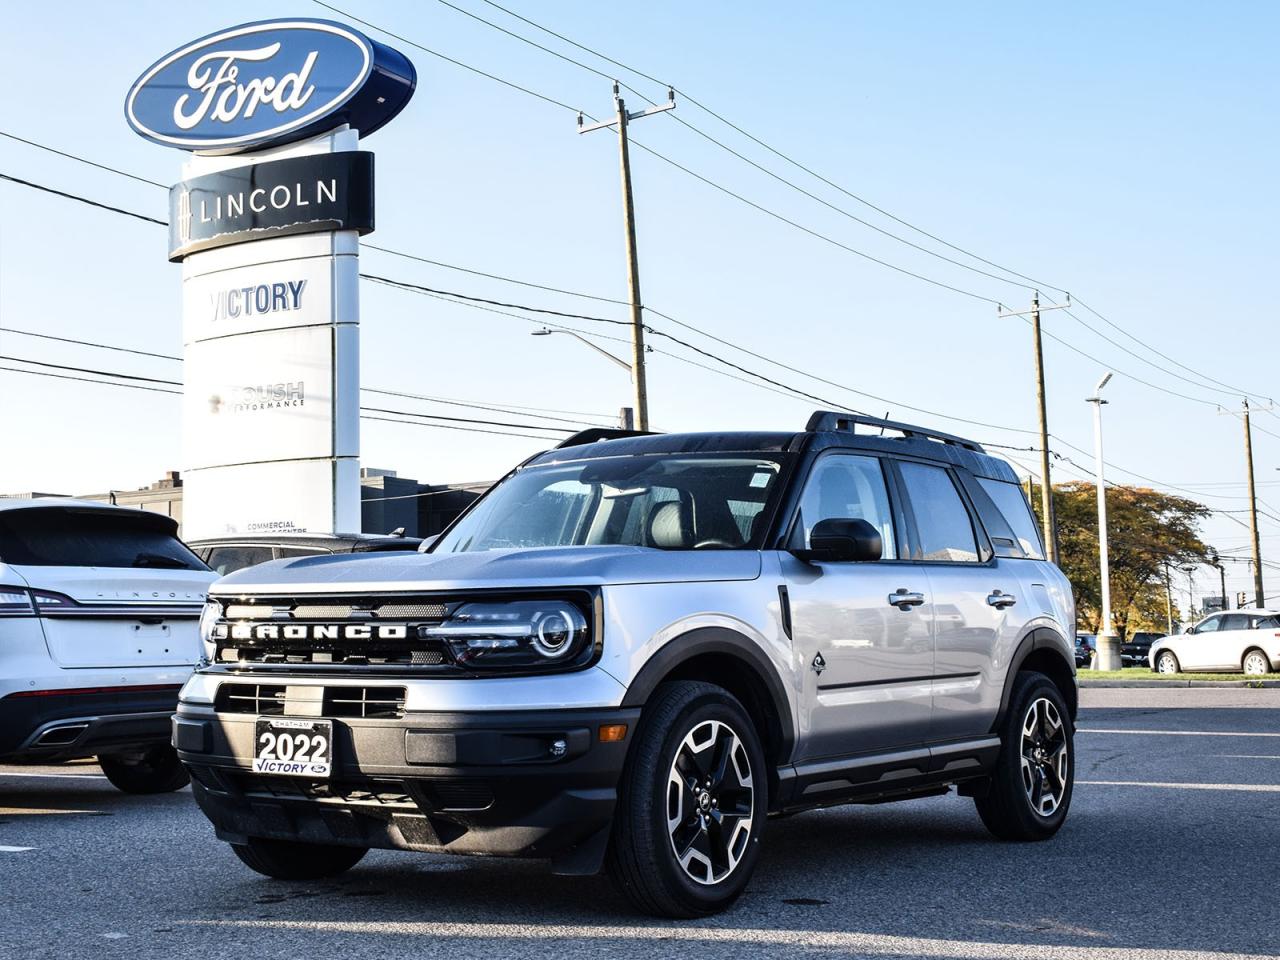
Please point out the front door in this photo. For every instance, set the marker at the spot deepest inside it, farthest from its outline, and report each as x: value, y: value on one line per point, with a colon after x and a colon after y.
x: 862, y: 631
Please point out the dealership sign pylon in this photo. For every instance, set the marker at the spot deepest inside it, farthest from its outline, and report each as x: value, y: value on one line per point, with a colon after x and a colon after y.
x: 266, y: 223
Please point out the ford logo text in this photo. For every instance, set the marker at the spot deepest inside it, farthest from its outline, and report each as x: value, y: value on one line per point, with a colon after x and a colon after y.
x: 266, y: 83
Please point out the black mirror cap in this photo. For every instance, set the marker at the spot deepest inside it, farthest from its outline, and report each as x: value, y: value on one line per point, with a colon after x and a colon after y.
x: 840, y: 539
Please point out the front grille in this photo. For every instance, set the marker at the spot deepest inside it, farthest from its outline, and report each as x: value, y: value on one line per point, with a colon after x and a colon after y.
x: 257, y: 698
x: 383, y: 703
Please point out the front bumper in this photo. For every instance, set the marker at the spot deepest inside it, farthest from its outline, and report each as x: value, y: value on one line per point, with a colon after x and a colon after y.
x: 467, y: 783
x: 66, y: 724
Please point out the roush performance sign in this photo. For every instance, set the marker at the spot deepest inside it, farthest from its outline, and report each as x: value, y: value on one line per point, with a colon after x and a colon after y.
x: 328, y: 191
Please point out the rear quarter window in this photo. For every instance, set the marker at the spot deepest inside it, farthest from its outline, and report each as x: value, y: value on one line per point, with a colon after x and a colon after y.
x: 1012, y: 504
x: 55, y: 537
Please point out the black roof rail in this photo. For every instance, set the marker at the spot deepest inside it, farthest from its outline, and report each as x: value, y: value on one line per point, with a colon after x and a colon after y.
x: 823, y: 421
x: 596, y: 434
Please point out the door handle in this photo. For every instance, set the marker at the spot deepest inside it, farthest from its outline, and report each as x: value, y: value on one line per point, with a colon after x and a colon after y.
x: 903, y: 599
x: 1001, y: 600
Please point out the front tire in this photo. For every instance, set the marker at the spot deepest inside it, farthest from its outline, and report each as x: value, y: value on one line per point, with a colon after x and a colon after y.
x: 1032, y: 783
x: 1167, y: 662
x: 692, y: 804
x: 293, y: 860
x: 1256, y: 663
x: 157, y: 771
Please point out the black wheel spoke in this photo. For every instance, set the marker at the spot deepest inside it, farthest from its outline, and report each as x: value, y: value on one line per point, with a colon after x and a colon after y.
x: 710, y: 802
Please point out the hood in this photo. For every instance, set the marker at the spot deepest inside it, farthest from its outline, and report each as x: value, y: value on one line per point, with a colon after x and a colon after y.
x: 510, y: 569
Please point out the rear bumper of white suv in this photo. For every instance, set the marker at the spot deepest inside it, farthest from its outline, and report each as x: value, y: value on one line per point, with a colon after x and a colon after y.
x: 66, y: 723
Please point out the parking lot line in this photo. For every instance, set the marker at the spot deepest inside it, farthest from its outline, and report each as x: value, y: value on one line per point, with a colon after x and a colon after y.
x: 54, y: 776
x: 1244, y: 787
x: 4, y: 849
x: 1178, y: 733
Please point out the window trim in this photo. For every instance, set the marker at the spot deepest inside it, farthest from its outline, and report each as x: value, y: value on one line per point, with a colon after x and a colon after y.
x: 896, y: 517
x: 986, y: 553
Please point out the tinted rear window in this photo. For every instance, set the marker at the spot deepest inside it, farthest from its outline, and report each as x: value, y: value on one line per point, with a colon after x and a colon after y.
x: 50, y: 537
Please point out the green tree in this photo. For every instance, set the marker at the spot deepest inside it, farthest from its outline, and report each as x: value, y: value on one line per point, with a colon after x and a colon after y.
x: 1147, y: 530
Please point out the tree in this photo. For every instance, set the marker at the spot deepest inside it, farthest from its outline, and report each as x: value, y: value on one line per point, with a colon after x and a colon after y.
x: 1147, y: 530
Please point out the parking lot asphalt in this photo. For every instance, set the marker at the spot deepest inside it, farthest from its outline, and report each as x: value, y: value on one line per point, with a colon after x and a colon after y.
x: 1169, y: 852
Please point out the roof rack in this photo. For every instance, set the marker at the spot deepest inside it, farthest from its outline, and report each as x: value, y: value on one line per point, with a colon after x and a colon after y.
x: 596, y: 434
x: 832, y: 421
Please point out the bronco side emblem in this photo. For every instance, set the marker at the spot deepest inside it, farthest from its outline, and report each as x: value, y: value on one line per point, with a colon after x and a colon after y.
x: 818, y: 664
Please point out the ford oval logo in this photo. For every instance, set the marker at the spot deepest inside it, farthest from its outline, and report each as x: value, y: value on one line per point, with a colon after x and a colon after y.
x: 266, y: 83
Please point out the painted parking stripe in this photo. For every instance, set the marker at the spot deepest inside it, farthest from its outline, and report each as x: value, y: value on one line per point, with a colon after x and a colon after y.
x: 4, y: 849
x: 1178, y: 733
x: 1241, y: 787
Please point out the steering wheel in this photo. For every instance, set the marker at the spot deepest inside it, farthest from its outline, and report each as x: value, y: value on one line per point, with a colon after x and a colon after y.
x: 713, y: 542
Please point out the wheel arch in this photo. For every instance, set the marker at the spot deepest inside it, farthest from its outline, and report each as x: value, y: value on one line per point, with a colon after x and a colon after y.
x: 733, y: 661
x: 1044, y: 651
x: 1250, y: 649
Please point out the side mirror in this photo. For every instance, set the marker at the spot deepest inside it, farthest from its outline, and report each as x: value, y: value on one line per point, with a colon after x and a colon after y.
x: 841, y: 540
x: 1189, y: 630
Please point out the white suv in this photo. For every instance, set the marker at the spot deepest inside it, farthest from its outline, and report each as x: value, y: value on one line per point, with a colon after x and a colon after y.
x: 1245, y: 641
x: 99, y: 608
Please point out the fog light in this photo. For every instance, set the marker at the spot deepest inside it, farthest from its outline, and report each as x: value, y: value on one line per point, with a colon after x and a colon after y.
x: 613, y: 732
x: 559, y: 748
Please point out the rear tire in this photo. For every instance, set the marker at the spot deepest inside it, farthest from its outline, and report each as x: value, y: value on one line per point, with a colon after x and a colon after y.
x: 692, y: 803
x: 1167, y: 662
x: 1035, y: 771
x: 293, y: 860
x: 157, y: 771
x: 1256, y: 663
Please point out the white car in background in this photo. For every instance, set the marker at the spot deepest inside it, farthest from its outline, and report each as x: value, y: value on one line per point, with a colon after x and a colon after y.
x: 99, y: 628
x: 1240, y: 641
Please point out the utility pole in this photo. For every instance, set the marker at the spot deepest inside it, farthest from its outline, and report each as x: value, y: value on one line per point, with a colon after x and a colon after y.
x: 1222, y: 576
x: 1259, y: 596
x: 1046, y: 485
x: 621, y: 119
x: 1191, y: 593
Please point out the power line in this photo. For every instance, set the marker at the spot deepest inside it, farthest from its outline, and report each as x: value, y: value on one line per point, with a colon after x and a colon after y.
x: 72, y: 156
x: 86, y: 200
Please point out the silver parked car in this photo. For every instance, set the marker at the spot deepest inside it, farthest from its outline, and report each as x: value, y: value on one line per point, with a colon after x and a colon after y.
x: 634, y: 649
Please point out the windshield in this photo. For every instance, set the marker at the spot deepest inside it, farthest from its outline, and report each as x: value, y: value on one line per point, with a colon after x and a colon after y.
x: 668, y: 502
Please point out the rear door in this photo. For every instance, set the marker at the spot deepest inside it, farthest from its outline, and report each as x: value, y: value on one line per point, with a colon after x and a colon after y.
x: 974, y: 594
x: 114, y: 587
x: 1231, y: 640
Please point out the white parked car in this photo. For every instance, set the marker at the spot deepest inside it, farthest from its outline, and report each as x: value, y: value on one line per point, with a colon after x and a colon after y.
x: 99, y: 628
x: 1242, y: 640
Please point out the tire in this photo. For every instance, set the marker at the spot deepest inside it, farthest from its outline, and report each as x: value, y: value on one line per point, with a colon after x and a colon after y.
x: 1167, y: 662
x: 688, y: 730
x: 293, y: 860
x: 1255, y: 663
x: 1035, y: 771
x: 157, y: 771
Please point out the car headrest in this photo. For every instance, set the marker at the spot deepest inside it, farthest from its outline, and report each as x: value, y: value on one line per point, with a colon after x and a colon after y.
x: 669, y: 527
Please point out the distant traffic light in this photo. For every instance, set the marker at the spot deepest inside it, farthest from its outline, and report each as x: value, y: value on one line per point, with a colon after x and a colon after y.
x: 1241, y: 597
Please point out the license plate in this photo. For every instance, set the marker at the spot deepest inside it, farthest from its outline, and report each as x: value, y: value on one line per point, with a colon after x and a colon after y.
x: 293, y: 748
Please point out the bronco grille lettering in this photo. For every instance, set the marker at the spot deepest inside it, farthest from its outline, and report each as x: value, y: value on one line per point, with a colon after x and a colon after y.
x: 311, y: 631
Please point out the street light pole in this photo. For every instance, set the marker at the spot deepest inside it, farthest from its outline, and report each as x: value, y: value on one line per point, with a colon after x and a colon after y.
x: 1108, y: 656
x: 626, y: 415
x: 1191, y: 593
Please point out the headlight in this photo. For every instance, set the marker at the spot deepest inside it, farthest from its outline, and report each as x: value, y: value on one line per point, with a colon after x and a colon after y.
x: 208, y: 617
x: 515, y: 634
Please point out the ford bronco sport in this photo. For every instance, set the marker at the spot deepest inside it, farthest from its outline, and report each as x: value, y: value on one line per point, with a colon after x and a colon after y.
x: 635, y: 649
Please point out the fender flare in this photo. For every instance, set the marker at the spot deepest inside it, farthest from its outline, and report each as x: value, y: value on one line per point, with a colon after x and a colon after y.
x: 1039, y: 638
x: 724, y: 642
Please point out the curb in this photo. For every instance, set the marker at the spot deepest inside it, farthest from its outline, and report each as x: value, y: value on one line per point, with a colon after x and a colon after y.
x: 1160, y: 684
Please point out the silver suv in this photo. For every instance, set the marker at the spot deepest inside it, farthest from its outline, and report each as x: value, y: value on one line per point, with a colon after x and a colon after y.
x: 634, y: 650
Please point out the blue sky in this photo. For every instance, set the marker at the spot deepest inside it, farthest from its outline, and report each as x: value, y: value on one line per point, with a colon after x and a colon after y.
x: 1123, y: 152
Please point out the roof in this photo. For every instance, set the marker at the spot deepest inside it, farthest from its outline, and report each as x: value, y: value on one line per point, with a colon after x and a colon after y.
x: 976, y: 461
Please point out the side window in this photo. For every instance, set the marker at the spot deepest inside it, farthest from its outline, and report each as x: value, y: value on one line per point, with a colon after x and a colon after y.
x: 848, y: 487
x: 226, y: 560
x: 1265, y: 623
x: 942, y: 519
x: 1235, y: 621
x: 1210, y: 625
x: 283, y: 553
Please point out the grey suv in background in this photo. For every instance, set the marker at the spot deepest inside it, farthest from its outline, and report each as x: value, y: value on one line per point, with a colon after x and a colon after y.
x: 634, y: 650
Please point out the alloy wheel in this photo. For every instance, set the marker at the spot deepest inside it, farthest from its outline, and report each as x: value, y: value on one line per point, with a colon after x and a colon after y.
x: 1045, y: 757
x: 710, y: 802
x: 1166, y: 663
